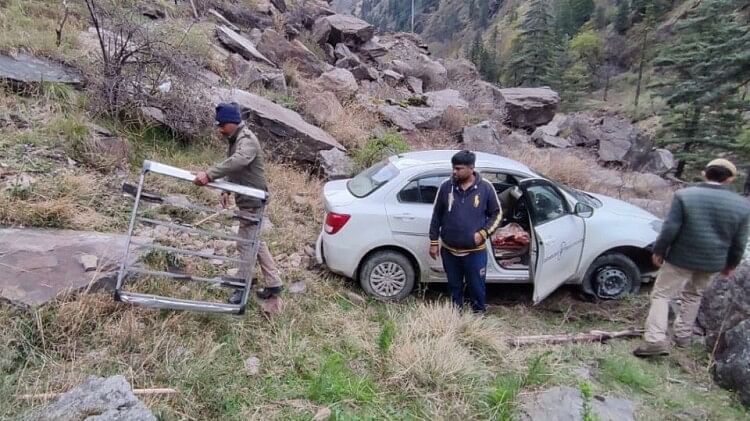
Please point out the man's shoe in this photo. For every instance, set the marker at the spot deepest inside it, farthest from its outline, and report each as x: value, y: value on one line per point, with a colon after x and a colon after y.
x: 652, y: 349
x: 236, y: 297
x: 683, y: 341
x: 266, y: 293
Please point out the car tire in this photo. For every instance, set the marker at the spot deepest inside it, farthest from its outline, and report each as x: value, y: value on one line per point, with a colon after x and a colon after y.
x: 613, y: 276
x: 387, y: 275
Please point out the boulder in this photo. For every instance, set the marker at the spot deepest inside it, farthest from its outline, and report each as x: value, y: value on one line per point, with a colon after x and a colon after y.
x: 39, y: 264
x: 433, y: 74
x: 348, y: 62
x: 392, y: 77
x: 622, y: 142
x: 529, y: 108
x: 283, y: 131
x: 307, y: 13
x: 24, y: 68
x: 482, y: 137
x: 342, y: 51
x: 365, y: 72
x: 97, y: 398
x: 330, y: 53
x: 372, y: 49
x: 647, y: 185
x: 566, y: 403
x: 152, y: 11
x: 323, y: 108
x: 423, y: 117
x: 547, y: 135
x: 340, y: 81
x: 240, y: 45
x: 658, y: 161
x: 280, y: 50
x: 280, y: 5
x: 725, y: 317
x: 345, y: 29
x: 247, y: 74
x: 414, y: 84
x: 335, y: 164
x: 581, y: 130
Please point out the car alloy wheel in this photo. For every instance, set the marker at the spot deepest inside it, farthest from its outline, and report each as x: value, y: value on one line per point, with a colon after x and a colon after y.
x: 388, y: 279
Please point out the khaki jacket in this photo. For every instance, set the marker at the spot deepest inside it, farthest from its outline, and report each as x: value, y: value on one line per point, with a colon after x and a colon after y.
x: 244, y: 165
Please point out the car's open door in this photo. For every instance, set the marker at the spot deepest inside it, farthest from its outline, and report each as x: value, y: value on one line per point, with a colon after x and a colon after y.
x: 557, y: 237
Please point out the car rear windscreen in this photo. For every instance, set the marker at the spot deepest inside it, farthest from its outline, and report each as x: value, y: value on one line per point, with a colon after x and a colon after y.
x: 372, y: 178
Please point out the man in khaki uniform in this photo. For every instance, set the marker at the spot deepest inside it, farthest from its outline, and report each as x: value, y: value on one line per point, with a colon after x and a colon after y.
x: 244, y: 166
x: 705, y: 233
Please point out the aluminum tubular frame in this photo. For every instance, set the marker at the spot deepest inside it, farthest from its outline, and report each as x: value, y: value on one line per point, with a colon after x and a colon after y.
x: 155, y: 301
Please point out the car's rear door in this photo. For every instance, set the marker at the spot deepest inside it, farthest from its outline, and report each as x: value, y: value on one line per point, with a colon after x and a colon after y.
x: 409, y: 208
x: 558, y: 236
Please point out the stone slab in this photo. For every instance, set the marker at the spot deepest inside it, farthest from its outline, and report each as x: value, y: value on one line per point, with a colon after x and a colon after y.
x: 37, y: 265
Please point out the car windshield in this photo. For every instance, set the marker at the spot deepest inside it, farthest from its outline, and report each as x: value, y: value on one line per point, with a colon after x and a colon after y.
x: 372, y: 178
x: 582, y: 196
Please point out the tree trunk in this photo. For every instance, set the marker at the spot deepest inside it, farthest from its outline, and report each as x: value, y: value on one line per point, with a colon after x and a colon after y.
x: 640, y: 70
x: 606, y: 83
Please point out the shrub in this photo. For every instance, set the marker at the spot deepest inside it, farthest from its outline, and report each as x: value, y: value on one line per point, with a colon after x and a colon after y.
x: 378, y: 148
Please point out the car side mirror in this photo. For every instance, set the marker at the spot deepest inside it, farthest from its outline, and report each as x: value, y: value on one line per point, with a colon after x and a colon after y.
x: 583, y: 210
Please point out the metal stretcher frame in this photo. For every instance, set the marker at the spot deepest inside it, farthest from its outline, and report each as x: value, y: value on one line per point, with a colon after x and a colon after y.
x: 155, y: 301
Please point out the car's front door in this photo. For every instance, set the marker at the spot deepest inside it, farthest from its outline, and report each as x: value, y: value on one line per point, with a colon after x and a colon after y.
x: 558, y: 236
x: 409, y: 212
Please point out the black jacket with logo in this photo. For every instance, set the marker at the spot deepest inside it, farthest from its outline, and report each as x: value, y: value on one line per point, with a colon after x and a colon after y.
x: 459, y: 214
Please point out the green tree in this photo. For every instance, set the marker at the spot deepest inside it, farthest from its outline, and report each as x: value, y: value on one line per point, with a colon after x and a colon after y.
x: 622, y: 18
x: 532, y: 56
x: 588, y: 49
x: 600, y: 17
x: 570, y: 15
x: 707, y: 65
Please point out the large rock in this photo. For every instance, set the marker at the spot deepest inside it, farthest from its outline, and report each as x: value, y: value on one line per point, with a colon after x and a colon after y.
x: 342, y: 29
x: 335, y: 164
x: 647, y: 185
x: 529, y: 108
x: 39, y: 264
x: 725, y: 316
x: 547, y: 135
x: 97, y: 399
x: 340, y: 81
x: 247, y: 74
x: 240, y: 45
x: 582, y: 130
x: 365, y: 72
x: 23, y: 68
x: 323, y: 108
x: 434, y: 76
x: 566, y: 404
x: 482, y: 137
x: 620, y: 141
x: 659, y: 161
x: 283, y: 131
x: 733, y: 364
x: 280, y: 50
x: 427, y: 117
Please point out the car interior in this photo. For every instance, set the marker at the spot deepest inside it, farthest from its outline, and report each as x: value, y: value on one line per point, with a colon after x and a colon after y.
x: 511, y: 242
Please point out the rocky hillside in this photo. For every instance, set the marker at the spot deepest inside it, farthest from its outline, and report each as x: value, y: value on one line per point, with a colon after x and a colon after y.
x: 328, y: 94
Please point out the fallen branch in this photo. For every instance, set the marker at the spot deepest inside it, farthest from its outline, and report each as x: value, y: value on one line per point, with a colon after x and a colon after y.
x: 140, y: 392
x: 590, y: 336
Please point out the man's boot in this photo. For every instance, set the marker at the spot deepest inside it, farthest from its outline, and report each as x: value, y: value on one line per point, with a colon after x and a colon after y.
x: 651, y: 349
x: 683, y: 341
x: 266, y: 293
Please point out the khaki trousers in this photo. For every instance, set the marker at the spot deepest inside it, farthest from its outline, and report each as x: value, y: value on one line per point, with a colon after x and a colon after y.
x: 267, y: 265
x: 671, y: 283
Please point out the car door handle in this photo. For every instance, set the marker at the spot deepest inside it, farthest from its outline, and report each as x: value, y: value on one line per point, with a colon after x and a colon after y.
x: 405, y: 217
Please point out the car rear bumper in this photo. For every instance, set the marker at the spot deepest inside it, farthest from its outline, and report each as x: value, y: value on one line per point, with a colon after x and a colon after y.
x: 338, y: 259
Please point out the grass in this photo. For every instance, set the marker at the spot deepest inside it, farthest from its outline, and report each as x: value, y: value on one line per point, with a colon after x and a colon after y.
x: 630, y: 373
x: 30, y: 25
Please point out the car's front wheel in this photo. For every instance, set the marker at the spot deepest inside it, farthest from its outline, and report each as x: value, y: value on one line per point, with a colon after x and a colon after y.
x: 613, y: 276
x: 387, y: 275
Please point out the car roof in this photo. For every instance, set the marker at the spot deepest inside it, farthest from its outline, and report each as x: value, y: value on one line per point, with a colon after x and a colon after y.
x: 437, y: 157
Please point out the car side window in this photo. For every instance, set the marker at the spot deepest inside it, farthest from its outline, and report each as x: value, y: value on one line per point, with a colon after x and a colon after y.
x: 546, y: 203
x: 422, y: 190
x: 500, y: 181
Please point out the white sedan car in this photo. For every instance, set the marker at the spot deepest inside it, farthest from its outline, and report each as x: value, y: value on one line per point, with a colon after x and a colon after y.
x: 376, y: 230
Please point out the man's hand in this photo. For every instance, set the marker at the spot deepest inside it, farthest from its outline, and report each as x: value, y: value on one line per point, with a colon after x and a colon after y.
x: 727, y: 272
x: 478, y: 239
x: 201, y: 178
x: 225, y: 199
x: 657, y: 260
x: 434, y: 251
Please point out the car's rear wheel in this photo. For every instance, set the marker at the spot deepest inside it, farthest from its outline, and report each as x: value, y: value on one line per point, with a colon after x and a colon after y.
x: 387, y: 275
x: 613, y: 276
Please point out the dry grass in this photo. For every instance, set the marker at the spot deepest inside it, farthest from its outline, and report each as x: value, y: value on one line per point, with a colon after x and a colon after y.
x: 453, y: 120
x: 30, y: 25
x: 355, y: 125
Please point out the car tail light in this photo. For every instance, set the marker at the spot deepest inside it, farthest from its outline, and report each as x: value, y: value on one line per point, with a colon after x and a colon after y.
x: 335, y: 221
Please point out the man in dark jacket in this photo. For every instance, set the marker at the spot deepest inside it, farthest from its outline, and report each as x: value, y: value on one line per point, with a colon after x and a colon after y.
x: 704, y: 233
x: 244, y: 165
x: 467, y: 211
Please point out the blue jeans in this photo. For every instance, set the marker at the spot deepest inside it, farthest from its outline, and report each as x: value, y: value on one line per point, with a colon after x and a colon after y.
x: 473, y: 269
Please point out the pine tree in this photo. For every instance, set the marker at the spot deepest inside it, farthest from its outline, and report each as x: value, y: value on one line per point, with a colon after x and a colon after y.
x: 622, y: 18
x: 532, y: 57
x: 707, y: 65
